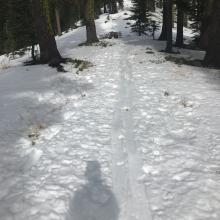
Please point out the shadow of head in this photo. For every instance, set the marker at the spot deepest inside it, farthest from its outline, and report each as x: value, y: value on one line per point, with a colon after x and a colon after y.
x: 93, y: 172
x: 94, y: 200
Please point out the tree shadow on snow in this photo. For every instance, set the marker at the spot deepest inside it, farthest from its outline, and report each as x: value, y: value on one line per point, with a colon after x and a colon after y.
x: 34, y: 97
x: 94, y: 200
x: 144, y: 41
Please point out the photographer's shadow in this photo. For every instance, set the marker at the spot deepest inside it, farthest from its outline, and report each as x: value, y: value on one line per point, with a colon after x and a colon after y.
x: 94, y: 200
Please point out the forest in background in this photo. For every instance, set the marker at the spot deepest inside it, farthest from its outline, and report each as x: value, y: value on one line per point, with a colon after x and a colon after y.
x: 29, y: 23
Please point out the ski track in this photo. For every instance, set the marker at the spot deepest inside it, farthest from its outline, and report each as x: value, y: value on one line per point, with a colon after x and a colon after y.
x: 126, y: 160
x: 152, y: 125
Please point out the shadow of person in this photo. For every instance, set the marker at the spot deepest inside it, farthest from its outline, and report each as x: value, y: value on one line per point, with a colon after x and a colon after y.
x: 94, y: 200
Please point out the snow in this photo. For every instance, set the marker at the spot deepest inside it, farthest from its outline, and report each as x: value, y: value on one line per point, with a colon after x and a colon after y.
x: 133, y: 137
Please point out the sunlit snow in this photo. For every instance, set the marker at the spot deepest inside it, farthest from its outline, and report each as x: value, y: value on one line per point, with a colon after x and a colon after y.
x: 132, y: 138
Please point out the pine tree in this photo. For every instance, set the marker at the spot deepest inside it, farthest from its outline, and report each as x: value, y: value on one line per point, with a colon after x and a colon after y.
x: 112, y: 5
x: 141, y: 17
x: 180, y: 21
x: 121, y: 4
x: 212, y: 57
x: 182, y: 7
x: 169, y: 33
x: 196, y: 15
x: 159, y: 3
x: 105, y: 5
x: 45, y: 37
x: 151, y: 5
x: 57, y: 4
x: 205, y: 22
x: 17, y: 25
x: 70, y: 13
x: 89, y: 17
x: 163, y: 35
x: 19, y: 29
x: 3, y: 37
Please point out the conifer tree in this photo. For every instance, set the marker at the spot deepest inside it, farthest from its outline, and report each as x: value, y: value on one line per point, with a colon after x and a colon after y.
x: 121, y: 4
x: 140, y: 15
x: 44, y: 33
x: 163, y: 35
x: 169, y: 33
x: 3, y: 10
x: 207, y: 11
x: 19, y: 29
x: 151, y: 5
x: 112, y: 5
x: 98, y: 6
x: 180, y: 22
x: 89, y: 17
x: 212, y: 57
x: 183, y: 6
x: 17, y: 25
x: 70, y: 13
x: 196, y: 15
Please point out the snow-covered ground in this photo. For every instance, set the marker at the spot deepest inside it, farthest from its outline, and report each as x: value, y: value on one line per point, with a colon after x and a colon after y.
x: 150, y: 129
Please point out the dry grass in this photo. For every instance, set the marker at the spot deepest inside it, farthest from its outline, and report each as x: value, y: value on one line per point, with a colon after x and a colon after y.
x: 186, y: 104
x: 35, y: 132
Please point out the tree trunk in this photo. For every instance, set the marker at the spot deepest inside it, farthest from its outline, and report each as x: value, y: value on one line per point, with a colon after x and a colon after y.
x: 163, y: 35
x: 185, y: 20
x: 113, y: 7
x: 160, y: 3
x: 173, y: 15
x: 180, y: 21
x: 208, y: 7
x: 105, y: 6
x: 121, y: 4
x: 48, y: 48
x: 97, y: 9
x: 57, y: 13
x: 90, y: 22
x: 151, y: 5
x: 33, y: 52
x: 169, y: 32
x: 212, y: 57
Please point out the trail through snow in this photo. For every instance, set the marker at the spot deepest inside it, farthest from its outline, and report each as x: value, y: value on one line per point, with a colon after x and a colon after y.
x: 126, y: 159
x: 132, y: 138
